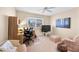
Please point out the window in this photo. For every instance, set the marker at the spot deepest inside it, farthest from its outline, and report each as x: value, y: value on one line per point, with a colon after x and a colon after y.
x: 34, y: 22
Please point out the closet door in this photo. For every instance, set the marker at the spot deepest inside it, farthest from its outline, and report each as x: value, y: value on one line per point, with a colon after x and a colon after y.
x: 12, y: 28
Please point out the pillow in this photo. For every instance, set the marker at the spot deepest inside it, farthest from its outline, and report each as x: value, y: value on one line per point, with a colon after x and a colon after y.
x: 76, y: 38
x: 2, y: 49
x: 8, y: 46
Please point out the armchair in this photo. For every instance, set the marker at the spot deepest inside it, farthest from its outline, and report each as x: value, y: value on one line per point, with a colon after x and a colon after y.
x: 72, y: 45
x: 20, y: 47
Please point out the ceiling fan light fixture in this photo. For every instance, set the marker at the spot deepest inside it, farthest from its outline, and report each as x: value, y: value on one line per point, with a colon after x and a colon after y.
x: 47, y: 9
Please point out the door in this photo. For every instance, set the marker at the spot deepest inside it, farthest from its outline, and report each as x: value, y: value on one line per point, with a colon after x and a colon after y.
x: 12, y: 28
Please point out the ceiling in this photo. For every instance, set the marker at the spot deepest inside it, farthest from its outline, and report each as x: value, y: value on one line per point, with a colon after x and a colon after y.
x: 39, y: 10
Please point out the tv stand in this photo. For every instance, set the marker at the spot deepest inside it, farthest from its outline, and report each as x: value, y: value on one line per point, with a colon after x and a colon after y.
x: 46, y: 34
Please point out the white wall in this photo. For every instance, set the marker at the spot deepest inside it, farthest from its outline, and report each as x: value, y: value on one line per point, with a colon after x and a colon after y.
x: 4, y: 12
x: 7, y: 11
x: 25, y: 15
x: 3, y: 28
x: 67, y: 32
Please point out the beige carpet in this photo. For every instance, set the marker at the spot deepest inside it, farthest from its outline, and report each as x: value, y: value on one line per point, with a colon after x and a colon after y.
x: 42, y: 44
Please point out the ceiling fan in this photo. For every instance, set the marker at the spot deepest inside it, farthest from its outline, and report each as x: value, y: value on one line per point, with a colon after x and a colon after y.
x: 47, y: 9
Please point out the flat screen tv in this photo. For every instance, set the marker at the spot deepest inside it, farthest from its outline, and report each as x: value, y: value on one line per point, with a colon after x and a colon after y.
x: 46, y: 28
x: 63, y: 23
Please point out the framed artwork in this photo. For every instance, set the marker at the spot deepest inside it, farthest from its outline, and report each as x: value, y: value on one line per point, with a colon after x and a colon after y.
x: 67, y: 22
x: 63, y: 23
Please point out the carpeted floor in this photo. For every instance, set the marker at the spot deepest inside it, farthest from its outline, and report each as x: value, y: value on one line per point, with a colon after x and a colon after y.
x: 42, y: 44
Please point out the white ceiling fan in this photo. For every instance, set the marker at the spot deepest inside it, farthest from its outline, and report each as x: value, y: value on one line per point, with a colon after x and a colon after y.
x: 47, y: 9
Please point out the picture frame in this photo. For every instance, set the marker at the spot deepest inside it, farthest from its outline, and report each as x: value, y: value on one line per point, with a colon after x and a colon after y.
x: 63, y: 23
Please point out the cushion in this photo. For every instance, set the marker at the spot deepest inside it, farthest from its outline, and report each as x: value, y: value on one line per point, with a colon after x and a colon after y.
x: 55, y: 38
x: 8, y: 46
x: 76, y: 39
x: 2, y: 49
x: 22, y: 48
x: 15, y: 42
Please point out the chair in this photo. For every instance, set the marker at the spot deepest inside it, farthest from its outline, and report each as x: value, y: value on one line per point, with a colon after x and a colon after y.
x: 72, y: 45
x: 20, y: 47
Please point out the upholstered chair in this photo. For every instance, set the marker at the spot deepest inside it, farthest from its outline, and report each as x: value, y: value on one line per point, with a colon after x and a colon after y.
x: 72, y: 45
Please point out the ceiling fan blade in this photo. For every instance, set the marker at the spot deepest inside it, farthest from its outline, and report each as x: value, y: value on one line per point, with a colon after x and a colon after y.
x: 43, y: 10
x: 49, y: 10
x: 51, y: 7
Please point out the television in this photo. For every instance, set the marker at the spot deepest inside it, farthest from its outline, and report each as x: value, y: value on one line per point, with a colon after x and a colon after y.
x: 63, y: 23
x: 46, y: 28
